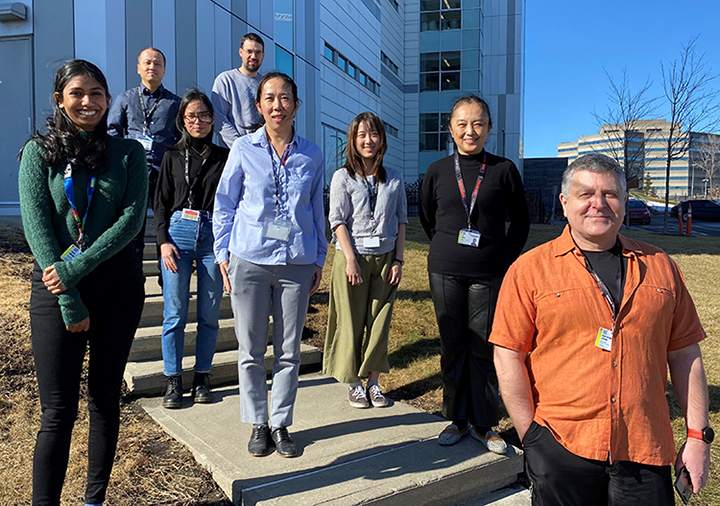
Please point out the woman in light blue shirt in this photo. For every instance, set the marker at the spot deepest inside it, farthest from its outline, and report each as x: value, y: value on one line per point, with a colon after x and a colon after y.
x: 269, y: 228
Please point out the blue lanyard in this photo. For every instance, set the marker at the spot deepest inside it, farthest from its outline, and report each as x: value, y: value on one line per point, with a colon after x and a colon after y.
x: 70, y: 193
x: 372, y: 194
x: 276, y: 173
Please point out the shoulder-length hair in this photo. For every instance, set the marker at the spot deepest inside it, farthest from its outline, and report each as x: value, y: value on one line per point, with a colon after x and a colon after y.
x: 62, y: 141
x: 354, y: 163
x: 191, y: 95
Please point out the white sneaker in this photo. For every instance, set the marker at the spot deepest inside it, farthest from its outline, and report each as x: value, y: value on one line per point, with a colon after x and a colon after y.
x: 491, y: 440
x: 451, y: 434
x: 357, y: 397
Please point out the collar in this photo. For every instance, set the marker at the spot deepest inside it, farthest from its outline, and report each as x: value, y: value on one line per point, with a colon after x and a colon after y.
x: 565, y: 244
x: 259, y: 138
x: 158, y: 92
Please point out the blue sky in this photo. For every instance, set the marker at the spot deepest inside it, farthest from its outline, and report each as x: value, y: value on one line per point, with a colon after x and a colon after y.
x: 568, y: 42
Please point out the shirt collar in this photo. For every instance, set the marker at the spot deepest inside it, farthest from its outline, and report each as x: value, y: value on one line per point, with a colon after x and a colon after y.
x: 158, y: 92
x: 259, y: 137
x: 565, y: 244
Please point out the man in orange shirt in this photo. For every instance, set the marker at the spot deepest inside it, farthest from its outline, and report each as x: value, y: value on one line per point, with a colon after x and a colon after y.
x: 585, y: 328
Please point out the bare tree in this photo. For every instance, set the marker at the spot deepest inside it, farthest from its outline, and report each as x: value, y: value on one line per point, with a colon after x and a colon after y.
x: 708, y: 160
x: 691, y: 103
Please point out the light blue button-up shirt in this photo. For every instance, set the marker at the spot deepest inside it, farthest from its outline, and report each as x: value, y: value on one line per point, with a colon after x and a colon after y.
x: 246, y: 197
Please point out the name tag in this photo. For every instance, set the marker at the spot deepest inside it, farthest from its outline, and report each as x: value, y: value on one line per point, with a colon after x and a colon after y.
x: 371, y: 242
x: 190, y: 214
x: 70, y: 253
x: 277, y: 228
x: 146, y: 142
x: 468, y: 237
x: 604, y: 339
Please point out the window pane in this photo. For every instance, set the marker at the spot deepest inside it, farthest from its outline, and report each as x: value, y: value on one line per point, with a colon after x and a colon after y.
x: 351, y: 70
x: 451, y: 4
x: 444, y: 140
x: 428, y: 142
x: 451, y: 60
x: 429, y: 122
x: 328, y: 53
x: 429, y: 62
x: 429, y: 82
x: 450, y: 81
x: 363, y: 79
x: 342, y: 63
x: 284, y: 23
x: 283, y: 61
x: 430, y: 5
x: 430, y: 21
x: 450, y: 20
x: 444, y: 121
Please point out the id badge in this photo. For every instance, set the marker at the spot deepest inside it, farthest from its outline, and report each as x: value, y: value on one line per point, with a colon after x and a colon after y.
x: 71, y: 253
x: 277, y: 228
x: 371, y: 242
x: 146, y: 142
x: 190, y: 214
x: 604, y: 339
x: 468, y: 237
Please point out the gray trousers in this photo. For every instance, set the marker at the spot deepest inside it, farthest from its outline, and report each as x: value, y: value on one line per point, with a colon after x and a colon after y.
x: 256, y: 291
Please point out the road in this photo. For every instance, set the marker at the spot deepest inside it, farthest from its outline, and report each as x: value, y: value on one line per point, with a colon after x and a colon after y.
x: 698, y: 227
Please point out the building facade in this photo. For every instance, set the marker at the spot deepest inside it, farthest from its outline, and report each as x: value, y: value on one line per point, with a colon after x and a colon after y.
x: 406, y: 60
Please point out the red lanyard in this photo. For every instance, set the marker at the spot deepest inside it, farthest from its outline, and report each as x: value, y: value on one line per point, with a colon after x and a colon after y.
x: 461, y: 185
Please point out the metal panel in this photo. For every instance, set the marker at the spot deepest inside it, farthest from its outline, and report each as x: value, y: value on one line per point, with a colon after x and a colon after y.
x: 185, y: 48
x: 138, y: 36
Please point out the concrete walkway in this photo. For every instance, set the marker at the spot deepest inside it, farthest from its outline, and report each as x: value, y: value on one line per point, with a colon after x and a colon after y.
x: 348, y: 456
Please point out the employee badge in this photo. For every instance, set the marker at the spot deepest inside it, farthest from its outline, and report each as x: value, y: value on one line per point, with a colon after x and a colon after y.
x: 71, y: 253
x: 371, y: 242
x: 277, y: 228
x: 146, y: 141
x: 469, y: 237
x: 190, y: 214
x: 604, y: 339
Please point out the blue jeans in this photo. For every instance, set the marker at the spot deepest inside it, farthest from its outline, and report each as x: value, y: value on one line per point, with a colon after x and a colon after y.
x: 194, y: 242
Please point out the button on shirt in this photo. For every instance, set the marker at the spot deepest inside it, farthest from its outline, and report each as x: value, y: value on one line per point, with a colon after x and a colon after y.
x: 126, y: 119
x: 598, y: 404
x: 246, y: 197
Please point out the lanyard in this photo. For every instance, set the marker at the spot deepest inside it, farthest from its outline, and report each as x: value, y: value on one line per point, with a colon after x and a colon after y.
x: 372, y: 194
x: 604, y: 288
x: 70, y: 193
x: 461, y: 185
x: 276, y: 174
x: 146, y: 113
x: 187, y: 176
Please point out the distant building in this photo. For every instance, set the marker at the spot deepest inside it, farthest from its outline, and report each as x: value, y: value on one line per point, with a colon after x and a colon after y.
x: 647, y: 148
x: 542, y: 179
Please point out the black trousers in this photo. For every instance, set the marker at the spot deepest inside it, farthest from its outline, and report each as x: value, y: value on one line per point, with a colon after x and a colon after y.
x: 561, y: 478
x: 138, y: 241
x: 464, y: 308
x: 114, y: 295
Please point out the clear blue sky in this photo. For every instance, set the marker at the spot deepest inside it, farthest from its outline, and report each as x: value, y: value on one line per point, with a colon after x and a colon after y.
x: 567, y: 43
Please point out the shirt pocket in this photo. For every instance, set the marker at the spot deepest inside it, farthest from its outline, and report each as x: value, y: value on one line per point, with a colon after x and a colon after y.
x: 300, y: 187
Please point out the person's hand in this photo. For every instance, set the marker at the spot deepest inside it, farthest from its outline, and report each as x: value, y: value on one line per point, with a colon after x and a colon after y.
x: 353, y: 273
x: 168, y: 253
x: 694, y: 455
x: 52, y: 281
x: 395, y: 273
x: 317, y: 277
x: 226, y: 278
x: 79, y: 327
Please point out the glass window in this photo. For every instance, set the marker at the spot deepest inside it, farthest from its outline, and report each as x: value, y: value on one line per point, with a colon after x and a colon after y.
x: 450, y: 81
x: 451, y: 60
x: 444, y: 137
x: 341, y: 62
x: 450, y: 20
x: 284, y: 26
x: 430, y: 21
x: 451, y: 4
x: 429, y: 62
x: 334, y: 150
x: 428, y: 142
x: 429, y: 5
x: 444, y: 121
x: 284, y: 61
x: 429, y: 122
x: 429, y: 82
x: 362, y: 78
x: 328, y: 52
x: 351, y: 70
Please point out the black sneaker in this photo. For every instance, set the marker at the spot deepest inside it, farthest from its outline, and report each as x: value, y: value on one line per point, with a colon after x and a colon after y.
x: 284, y: 444
x: 259, y: 444
x: 201, y: 388
x: 173, y: 393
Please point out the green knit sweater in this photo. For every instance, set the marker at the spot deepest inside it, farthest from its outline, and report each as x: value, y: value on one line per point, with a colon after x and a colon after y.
x: 116, y: 214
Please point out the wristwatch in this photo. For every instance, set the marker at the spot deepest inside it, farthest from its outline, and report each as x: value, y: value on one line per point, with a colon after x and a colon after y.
x: 706, y: 434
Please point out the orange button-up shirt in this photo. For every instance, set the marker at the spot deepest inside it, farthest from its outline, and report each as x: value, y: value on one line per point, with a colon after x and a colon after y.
x: 598, y: 404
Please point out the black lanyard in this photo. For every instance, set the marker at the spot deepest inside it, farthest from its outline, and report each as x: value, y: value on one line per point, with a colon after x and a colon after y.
x: 461, y: 185
x: 146, y: 113
x: 604, y: 288
x: 70, y: 193
x: 276, y: 173
x: 372, y: 194
x: 187, y: 176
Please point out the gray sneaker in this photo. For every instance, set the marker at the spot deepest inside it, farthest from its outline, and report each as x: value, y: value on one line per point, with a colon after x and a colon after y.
x: 377, y: 399
x: 491, y: 440
x: 451, y: 434
x: 357, y: 398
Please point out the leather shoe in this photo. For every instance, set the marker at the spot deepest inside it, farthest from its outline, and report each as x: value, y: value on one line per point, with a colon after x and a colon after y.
x: 201, y: 388
x: 259, y: 444
x: 173, y: 393
x: 284, y: 444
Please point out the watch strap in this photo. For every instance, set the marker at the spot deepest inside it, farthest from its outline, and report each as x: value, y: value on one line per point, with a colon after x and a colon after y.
x: 695, y: 434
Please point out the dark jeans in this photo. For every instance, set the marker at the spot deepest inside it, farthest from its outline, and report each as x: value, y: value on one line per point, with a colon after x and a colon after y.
x: 464, y: 308
x: 114, y: 295
x: 561, y: 478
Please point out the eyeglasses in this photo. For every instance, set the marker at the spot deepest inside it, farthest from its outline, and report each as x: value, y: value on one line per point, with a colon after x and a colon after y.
x: 203, y: 117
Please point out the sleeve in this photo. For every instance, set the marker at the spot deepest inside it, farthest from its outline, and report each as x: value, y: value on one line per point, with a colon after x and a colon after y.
x: 117, y: 118
x: 514, y: 324
x: 519, y: 228
x: 340, y: 204
x: 35, y: 208
x: 686, y: 326
x: 428, y: 203
x: 227, y: 199
x: 316, y: 197
x: 133, y: 207
x: 223, y: 111
x: 402, y: 202
x: 164, y: 199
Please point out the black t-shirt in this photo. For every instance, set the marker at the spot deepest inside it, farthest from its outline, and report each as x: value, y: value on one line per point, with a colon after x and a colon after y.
x: 610, y: 266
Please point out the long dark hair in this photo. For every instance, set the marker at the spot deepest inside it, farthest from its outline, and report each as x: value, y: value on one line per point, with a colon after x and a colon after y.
x: 354, y: 163
x: 62, y: 142
x: 191, y: 95
x: 275, y: 75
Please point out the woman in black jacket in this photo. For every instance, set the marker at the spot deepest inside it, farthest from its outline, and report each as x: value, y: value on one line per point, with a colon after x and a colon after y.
x: 184, y: 199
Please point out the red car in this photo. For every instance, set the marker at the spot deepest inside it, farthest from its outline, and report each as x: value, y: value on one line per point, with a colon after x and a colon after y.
x: 639, y: 213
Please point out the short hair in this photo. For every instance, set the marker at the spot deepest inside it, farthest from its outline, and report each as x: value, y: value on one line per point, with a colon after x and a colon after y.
x: 253, y: 37
x: 157, y: 51
x: 470, y: 99
x: 593, y: 162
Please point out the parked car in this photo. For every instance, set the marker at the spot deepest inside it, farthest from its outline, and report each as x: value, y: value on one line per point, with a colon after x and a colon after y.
x: 706, y: 210
x: 638, y: 212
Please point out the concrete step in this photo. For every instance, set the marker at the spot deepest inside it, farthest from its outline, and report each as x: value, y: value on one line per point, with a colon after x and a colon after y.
x: 147, y: 344
x: 153, y: 310
x: 383, y: 457
x: 509, y: 496
x: 150, y: 267
x: 146, y: 377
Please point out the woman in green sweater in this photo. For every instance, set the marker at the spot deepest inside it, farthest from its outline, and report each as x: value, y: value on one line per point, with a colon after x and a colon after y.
x: 83, y: 196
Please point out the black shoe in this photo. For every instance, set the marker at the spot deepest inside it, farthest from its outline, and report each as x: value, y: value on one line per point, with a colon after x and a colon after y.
x: 173, y: 393
x: 201, y: 388
x: 284, y: 444
x: 259, y: 444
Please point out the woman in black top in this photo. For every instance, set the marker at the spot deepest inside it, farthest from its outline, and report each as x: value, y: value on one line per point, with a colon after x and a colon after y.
x: 465, y: 199
x: 184, y: 200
